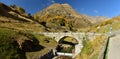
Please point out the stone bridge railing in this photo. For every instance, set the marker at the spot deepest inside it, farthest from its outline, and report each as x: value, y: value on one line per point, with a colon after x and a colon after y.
x: 77, y: 35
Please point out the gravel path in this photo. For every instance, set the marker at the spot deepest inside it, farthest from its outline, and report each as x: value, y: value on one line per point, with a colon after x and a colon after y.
x: 114, y: 47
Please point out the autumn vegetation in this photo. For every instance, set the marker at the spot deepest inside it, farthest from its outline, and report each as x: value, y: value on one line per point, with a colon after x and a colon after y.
x: 18, y: 41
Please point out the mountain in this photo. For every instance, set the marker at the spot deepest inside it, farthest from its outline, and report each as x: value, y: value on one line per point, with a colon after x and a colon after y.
x: 61, y: 17
x: 95, y: 19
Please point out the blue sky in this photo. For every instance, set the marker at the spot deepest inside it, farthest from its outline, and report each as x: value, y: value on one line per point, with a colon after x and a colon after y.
x: 108, y: 8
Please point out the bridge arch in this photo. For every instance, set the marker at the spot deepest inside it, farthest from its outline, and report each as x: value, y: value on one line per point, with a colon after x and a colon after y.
x: 64, y: 37
x: 58, y: 38
x: 77, y: 47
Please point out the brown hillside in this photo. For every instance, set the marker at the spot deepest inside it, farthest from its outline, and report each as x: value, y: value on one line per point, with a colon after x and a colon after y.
x: 61, y: 17
x: 14, y: 13
x: 15, y: 17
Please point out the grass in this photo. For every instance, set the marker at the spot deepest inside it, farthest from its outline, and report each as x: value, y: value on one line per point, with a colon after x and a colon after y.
x: 92, y: 49
x: 9, y: 48
x: 67, y: 50
x: 45, y: 41
x: 23, y: 26
x: 14, y: 27
x: 115, y: 26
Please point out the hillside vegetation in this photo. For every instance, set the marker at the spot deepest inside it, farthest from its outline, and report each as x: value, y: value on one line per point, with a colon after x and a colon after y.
x: 61, y: 18
x: 10, y: 44
x: 15, y: 44
x: 15, y: 17
x: 105, y: 26
x: 16, y: 38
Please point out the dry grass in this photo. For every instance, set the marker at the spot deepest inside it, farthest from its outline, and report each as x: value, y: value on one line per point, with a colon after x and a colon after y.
x: 104, y: 26
x: 23, y: 26
x: 92, y: 49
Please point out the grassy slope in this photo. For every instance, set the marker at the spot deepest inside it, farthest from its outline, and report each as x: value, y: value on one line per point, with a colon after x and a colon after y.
x: 19, y: 25
x: 11, y: 22
x: 91, y: 49
x: 45, y: 41
x: 104, y: 26
x: 16, y: 24
x: 9, y: 48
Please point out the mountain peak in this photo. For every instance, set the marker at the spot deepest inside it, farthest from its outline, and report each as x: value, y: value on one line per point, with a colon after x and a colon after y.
x: 61, y: 16
x: 59, y: 9
x: 58, y: 4
x: 65, y: 4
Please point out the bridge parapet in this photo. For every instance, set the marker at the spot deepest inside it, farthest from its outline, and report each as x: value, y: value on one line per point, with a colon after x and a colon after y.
x: 79, y: 35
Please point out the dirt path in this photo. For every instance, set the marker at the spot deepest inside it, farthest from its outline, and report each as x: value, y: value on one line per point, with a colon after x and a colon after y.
x: 114, y: 47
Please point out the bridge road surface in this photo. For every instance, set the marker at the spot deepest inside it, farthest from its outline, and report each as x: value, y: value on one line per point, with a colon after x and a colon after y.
x: 114, y: 47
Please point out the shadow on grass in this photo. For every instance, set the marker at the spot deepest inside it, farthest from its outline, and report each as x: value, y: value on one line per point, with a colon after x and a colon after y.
x: 31, y: 46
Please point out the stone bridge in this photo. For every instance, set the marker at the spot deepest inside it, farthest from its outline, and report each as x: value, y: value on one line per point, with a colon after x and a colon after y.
x: 78, y: 36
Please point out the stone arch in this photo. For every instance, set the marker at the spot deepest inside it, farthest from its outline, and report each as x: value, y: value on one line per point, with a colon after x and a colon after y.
x: 61, y: 43
x: 62, y: 38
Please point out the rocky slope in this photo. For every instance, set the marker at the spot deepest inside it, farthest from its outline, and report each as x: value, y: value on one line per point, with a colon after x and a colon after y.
x: 95, y: 19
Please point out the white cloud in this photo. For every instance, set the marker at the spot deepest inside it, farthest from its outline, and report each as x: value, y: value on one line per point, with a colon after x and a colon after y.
x: 52, y: 1
x: 95, y: 11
